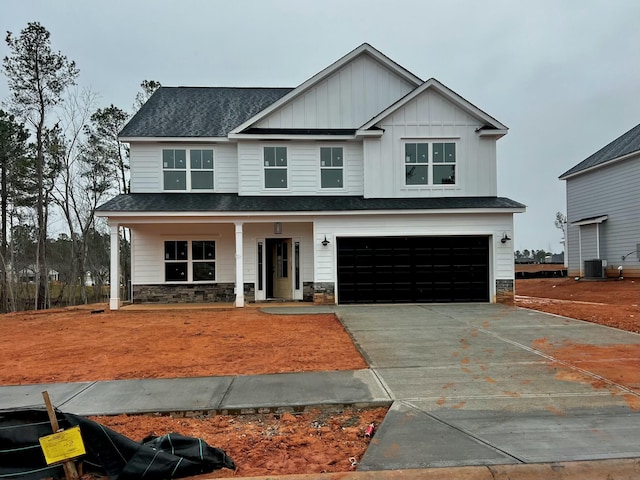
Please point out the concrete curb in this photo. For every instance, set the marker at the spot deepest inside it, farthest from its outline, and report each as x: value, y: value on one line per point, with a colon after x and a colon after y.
x: 616, y: 469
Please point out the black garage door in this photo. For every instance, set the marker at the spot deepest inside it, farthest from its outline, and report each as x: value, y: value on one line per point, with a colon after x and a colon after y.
x: 413, y: 269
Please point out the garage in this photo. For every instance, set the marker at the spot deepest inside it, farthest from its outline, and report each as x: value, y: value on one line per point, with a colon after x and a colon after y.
x: 413, y: 269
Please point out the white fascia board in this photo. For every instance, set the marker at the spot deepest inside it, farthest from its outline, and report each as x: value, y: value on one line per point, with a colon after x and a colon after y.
x: 369, y: 133
x: 601, y: 165
x: 447, y: 93
x: 282, y: 136
x: 154, y: 217
x: 174, y: 139
x: 591, y: 221
x: 495, y: 132
x: 325, y: 73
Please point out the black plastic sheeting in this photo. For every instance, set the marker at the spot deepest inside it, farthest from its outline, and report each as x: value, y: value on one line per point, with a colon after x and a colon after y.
x: 108, y: 452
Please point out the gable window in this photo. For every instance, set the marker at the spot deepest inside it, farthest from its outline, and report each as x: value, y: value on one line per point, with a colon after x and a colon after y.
x: 275, y: 167
x: 430, y: 163
x: 180, y: 266
x: 178, y: 174
x: 331, y: 166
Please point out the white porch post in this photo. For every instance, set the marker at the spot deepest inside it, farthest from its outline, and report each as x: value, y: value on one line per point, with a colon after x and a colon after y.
x: 239, y: 266
x: 114, y: 301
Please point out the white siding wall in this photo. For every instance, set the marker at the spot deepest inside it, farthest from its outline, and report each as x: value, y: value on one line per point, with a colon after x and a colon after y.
x: 146, y: 166
x: 303, y: 159
x: 347, y: 99
x: 613, y: 191
x: 430, y: 116
x: 494, y: 225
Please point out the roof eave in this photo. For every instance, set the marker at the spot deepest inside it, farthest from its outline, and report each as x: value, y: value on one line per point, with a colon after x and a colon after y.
x: 566, y: 175
x: 173, y: 139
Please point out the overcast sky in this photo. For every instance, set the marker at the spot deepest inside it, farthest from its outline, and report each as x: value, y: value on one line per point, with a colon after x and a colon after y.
x: 563, y: 75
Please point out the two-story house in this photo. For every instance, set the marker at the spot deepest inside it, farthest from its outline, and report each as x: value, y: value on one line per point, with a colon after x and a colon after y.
x: 365, y: 184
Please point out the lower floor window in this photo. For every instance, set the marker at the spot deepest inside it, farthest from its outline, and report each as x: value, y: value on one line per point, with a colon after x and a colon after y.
x: 189, y: 260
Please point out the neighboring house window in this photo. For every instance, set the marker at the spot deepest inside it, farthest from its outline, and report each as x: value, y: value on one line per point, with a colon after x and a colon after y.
x: 331, y: 165
x: 179, y: 266
x: 197, y: 174
x: 275, y: 167
x: 174, y: 169
x: 430, y: 163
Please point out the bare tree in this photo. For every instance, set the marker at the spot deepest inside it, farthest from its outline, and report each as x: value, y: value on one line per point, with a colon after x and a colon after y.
x: 561, y: 223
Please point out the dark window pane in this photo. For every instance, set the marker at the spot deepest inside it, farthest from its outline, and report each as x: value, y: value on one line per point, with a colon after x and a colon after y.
x: 331, y: 178
x: 210, y: 250
x: 181, y: 159
x: 275, y: 178
x: 197, y: 250
x: 416, y: 174
x: 170, y: 250
x: 269, y: 156
x: 336, y: 154
x: 167, y: 159
x: 438, y: 152
x: 175, y: 272
x: 325, y: 157
x: 202, y: 180
x: 207, y: 159
x: 450, y: 152
x: 181, y: 250
x: 444, y: 174
x: 281, y: 156
x: 422, y: 153
x: 196, y: 158
x: 410, y: 153
x: 204, y: 271
x: 175, y: 180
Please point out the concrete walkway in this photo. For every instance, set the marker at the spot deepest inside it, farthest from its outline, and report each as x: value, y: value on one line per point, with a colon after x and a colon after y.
x: 467, y: 383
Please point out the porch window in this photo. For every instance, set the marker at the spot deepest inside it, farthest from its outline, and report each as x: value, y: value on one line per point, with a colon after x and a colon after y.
x: 275, y: 167
x: 331, y: 166
x: 430, y: 163
x: 199, y: 266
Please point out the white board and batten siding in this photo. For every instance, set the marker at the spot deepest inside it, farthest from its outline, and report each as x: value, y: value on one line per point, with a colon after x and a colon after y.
x: 346, y: 99
x: 491, y: 225
x: 430, y: 117
x: 303, y: 168
x: 614, y: 191
x: 146, y: 165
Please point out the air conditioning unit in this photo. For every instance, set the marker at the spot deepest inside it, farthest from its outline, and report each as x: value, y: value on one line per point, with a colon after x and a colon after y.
x: 593, y: 268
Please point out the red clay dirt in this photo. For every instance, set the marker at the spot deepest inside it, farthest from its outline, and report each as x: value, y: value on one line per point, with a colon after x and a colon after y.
x: 76, y: 345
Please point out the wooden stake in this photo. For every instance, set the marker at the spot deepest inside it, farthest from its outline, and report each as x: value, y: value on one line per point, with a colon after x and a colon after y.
x: 70, y: 471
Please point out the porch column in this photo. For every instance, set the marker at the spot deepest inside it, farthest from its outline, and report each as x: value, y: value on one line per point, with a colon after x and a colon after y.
x: 239, y: 266
x: 114, y: 279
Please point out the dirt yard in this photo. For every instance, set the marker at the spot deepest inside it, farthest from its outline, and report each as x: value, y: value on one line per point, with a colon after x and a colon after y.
x: 76, y: 345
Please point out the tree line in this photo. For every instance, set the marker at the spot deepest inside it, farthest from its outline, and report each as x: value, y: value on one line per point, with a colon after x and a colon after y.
x: 59, y: 155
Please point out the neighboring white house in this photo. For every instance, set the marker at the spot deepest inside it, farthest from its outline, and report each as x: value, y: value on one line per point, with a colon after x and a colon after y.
x: 365, y: 184
x: 603, y: 210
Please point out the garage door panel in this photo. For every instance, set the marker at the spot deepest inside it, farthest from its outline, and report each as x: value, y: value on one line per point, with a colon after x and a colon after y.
x: 413, y: 269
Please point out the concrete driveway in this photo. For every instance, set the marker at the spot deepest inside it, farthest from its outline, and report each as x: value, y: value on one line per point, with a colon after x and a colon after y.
x: 488, y: 384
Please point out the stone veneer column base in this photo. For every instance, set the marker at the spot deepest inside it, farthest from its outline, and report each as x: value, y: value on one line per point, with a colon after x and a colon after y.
x: 324, y: 293
x: 505, y: 292
x: 185, y: 293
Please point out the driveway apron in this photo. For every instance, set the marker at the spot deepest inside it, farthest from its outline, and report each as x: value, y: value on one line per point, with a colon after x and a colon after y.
x: 487, y: 384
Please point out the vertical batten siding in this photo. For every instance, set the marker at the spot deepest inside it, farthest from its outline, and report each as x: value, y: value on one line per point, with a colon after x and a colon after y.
x: 303, y: 169
x: 613, y: 191
x: 347, y: 99
x: 430, y: 116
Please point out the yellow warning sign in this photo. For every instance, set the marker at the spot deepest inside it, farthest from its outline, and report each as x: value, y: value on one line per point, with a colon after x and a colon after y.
x: 62, y: 446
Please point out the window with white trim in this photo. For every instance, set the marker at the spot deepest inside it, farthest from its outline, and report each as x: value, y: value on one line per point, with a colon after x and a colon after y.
x: 430, y: 163
x: 331, y: 167
x: 275, y: 167
x: 180, y: 175
x: 179, y: 266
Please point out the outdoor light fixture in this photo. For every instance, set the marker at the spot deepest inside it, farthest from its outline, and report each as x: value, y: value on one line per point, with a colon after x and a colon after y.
x: 277, y: 228
x: 505, y: 238
x: 325, y: 242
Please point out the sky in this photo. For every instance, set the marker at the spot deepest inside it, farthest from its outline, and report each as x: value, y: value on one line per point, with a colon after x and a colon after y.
x: 563, y: 75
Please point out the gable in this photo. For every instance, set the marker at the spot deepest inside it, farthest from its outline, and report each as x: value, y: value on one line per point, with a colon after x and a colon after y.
x: 345, y: 99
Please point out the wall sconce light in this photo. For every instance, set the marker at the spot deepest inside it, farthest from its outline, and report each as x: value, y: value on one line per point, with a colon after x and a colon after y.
x: 325, y: 242
x: 505, y: 238
x: 277, y: 228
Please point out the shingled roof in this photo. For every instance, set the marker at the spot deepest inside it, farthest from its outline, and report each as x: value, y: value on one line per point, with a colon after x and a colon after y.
x: 620, y: 147
x: 199, y: 111
x: 230, y: 202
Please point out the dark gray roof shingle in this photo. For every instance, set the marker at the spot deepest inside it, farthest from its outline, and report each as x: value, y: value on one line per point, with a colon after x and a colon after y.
x: 199, y: 111
x: 230, y: 202
x: 621, y: 146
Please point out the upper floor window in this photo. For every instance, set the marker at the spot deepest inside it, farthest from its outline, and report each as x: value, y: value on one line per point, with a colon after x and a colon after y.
x: 275, y: 167
x: 331, y: 166
x: 179, y: 266
x: 197, y: 174
x: 430, y: 163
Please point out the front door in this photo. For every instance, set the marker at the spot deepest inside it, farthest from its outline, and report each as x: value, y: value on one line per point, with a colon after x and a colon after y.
x: 279, y: 268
